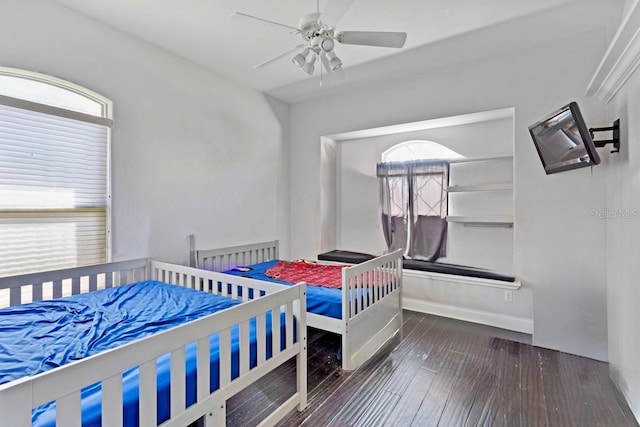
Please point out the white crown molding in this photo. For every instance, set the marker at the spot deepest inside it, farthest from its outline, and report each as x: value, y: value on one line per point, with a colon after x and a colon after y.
x: 621, y: 59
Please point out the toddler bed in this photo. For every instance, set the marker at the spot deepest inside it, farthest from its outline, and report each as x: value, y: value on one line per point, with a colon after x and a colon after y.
x: 142, y: 352
x: 366, y: 311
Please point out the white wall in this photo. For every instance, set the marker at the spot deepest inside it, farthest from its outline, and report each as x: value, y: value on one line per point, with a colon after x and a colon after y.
x: 622, y: 220
x: 623, y: 247
x: 192, y: 152
x: 558, y: 246
x: 358, y: 224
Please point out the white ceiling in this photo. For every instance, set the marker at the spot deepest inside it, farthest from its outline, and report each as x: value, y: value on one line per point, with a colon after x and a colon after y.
x: 201, y: 31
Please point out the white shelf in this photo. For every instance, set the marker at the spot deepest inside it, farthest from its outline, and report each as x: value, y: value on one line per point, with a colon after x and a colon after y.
x: 483, y: 221
x: 480, y: 187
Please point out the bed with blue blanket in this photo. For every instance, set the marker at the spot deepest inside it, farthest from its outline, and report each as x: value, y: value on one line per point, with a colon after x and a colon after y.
x: 366, y: 309
x: 49, y: 336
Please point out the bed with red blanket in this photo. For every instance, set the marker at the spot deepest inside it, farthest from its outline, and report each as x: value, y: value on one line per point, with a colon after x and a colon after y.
x: 324, y: 290
x: 311, y: 272
x: 362, y: 303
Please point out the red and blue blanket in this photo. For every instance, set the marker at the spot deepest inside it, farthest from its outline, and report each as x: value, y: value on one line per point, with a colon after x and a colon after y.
x: 314, y: 274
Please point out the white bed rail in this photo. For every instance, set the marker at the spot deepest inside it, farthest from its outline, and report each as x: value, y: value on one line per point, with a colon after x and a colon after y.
x: 213, y: 282
x: 16, y: 290
x: 63, y: 384
x: 228, y: 258
x: 370, y: 282
x: 371, y: 307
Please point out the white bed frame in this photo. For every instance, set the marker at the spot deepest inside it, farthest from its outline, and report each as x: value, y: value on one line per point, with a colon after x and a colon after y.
x: 63, y: 384
x: 366, y: 324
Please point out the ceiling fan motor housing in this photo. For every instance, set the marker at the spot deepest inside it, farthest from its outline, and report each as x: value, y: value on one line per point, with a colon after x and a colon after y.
x: 309, y: 26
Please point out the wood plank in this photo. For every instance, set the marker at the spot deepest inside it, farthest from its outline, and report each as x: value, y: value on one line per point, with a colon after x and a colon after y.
x: 178, y: 403
x: 263, y: 397
x: 407, y: 406
x: 362, y: 398
x: 325, y: 376
x: 392, y: 376
x: 587, y: 381
x: 379, y: 410
x: 502, y: 402
x: 467, y: 374
x: 148, y: 399
x: 327, y: 411
x: 203, y: 368
x: 472, y: 388
x: 439, y: 393
x: 68, y: 410
x: 534, y: 409
x: 112, y: 401
x: 315, y: 398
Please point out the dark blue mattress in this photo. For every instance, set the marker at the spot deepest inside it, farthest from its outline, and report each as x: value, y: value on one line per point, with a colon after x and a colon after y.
x: 320, y: 300
x: 350, y: 257
x: 43, y: 335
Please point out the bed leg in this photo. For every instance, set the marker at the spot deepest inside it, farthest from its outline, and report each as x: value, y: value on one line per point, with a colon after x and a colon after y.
x: 401, y: 320
x: 346, y: 355
x: 217, y: 416
x: 301, y: 357
x: 301, y: 372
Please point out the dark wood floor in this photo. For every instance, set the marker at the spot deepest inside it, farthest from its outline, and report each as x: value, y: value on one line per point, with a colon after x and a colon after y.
x: 443, y: 373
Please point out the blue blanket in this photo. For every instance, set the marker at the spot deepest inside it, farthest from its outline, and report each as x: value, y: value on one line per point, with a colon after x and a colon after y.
x: 320, y: 300
x: 43, y: 335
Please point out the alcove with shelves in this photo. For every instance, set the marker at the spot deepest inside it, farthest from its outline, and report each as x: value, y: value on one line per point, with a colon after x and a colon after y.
x: 481, y: 191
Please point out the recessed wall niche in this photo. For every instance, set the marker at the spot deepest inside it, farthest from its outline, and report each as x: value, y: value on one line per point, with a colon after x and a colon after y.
x: 481, y: 229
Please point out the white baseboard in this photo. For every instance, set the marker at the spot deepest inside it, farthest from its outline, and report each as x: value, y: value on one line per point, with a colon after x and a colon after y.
x: 621, y: 385
x: 503, y: 321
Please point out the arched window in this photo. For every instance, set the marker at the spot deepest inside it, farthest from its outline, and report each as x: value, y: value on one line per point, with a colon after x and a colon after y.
x: 413, y: 179
x: 418, y: 150
x: 54, y: 173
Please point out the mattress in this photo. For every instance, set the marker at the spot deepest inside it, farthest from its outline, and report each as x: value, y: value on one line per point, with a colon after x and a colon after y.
x: 320, y: 300
x: 410, y: 264
x: 348, y: 257
x: 43, y: 335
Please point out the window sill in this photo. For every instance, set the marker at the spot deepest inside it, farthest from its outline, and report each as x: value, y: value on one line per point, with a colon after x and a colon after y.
x: 464, y: 280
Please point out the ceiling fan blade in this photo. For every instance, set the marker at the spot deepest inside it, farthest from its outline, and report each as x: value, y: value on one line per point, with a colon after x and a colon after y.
x: 334, y: 11
x: 243, y: 17
x: 339, y: 74
x: 372, y: 38
x: 275, y: 58
x: 332, y: 76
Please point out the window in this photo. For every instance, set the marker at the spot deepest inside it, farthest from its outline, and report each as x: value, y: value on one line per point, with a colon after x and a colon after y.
x: 54, y: 174
x: 418, y: 150
x: 413, y: 179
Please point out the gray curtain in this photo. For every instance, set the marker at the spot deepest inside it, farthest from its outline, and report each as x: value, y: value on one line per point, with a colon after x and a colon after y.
x: 428, y: 181
x: 413, y: 198
x: 429, y: 240
x: 395, y: 229
x: 394, y: 202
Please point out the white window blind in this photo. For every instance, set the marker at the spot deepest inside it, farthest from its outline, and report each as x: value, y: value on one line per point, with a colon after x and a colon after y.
x: 53, y: 191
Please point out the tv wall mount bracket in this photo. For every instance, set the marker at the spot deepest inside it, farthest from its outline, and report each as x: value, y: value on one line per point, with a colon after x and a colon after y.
x: 615, y: 137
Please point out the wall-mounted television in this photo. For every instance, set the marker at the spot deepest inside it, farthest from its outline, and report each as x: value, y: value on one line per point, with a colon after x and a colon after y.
x: 563, y: 141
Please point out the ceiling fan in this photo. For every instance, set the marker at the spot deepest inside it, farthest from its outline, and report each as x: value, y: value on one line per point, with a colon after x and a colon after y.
x: 318, y: 30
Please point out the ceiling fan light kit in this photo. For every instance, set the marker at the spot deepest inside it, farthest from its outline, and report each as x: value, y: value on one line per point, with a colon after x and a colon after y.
x: 309, y: 65
x: 334, y: 62
x: 318, y: 31
x: 300, y: 59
